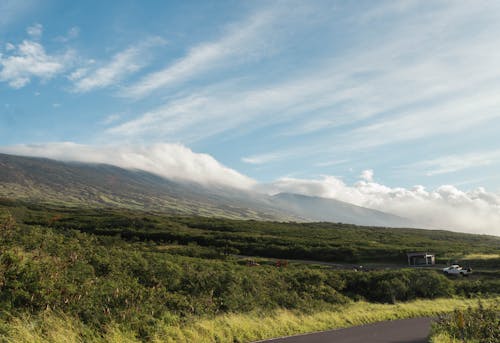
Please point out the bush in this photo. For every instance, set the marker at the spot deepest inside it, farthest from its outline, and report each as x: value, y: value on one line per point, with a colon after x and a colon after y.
x: 481, y: 324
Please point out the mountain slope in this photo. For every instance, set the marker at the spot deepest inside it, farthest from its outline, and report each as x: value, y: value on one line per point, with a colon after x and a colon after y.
x: 100, y: 185
x: 95, y: 185
x: 322, y: 209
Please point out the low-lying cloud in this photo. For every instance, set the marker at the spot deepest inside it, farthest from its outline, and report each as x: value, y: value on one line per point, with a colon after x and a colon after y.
x: 446, y: 207
x: 173, y: 161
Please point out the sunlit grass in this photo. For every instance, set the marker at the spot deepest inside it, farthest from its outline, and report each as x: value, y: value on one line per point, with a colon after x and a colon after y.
x: 249, y: 327
x: 482, y: 256
x: 444, y: 338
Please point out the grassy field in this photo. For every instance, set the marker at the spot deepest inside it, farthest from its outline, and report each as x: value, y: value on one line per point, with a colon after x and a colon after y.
x: 89, y: 275
x: 315, y: 241
x: 51, y: 327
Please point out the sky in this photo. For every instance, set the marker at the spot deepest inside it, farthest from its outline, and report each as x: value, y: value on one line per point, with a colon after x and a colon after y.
x: 392, y: 105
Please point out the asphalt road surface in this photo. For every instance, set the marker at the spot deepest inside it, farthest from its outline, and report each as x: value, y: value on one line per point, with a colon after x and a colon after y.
x: 414, y: 330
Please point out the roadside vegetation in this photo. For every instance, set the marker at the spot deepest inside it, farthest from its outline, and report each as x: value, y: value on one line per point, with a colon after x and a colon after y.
x: 68, y: 276
x: 478, y: 324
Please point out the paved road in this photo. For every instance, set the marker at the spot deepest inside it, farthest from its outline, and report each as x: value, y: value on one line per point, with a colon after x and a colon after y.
x: 349, y: 266
x: 414, y: 330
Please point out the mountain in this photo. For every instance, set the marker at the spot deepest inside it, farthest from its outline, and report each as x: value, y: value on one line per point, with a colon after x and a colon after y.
x: 74, y: 184
x: 99, y: 185
x: 322, y: 209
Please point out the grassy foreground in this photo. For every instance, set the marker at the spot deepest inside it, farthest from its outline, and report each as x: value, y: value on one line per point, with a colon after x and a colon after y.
x: 473, y: 325
x: 50, y: 327
x: 443, y: 337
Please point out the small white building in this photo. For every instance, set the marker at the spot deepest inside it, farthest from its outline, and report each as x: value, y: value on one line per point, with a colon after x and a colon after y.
x: 419, y: 259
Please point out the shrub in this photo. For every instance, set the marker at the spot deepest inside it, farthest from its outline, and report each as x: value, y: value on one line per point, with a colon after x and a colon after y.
x: 481, y: 324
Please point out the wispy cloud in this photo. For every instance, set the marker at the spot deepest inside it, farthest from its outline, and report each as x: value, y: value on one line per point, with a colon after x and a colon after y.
x: 263, y: 158
x: 394, y: 89
x: 111, y: 118
x: 72, y: 33
x: 242, y: 41
x: 35, y: 31
x: 29, y: 59
x: 457, y: 162
x: 331, y: 163
x: 110, y: 73
x: 227, y: 106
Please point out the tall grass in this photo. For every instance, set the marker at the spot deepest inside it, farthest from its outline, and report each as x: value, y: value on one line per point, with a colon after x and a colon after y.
x: 443, y: 337
x: 480, y: 324
x: 56, y: 328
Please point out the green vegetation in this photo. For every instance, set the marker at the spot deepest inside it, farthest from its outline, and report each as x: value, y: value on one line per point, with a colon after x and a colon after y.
x: 314, y: 241
x: 81, y: 185
x: 118, y: 275
x: 231, y: 327
x: 480, y: 324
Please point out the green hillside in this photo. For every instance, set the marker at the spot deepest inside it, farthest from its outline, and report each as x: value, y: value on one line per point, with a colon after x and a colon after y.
x: 71, y: 275
x: 45, y: 181
x: 315, y: 241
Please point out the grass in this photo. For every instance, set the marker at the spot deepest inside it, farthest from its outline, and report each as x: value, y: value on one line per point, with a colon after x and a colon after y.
x: 444, y: 338
x: 481, y: 256
x: 479, y: 324
x: 51, y: 327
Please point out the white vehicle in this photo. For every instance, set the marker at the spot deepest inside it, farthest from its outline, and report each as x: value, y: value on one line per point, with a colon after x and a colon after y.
x: 455, y: 269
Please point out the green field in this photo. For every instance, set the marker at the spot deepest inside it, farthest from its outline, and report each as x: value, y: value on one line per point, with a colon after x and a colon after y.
x: 71, y: 274
x: 314, y: 241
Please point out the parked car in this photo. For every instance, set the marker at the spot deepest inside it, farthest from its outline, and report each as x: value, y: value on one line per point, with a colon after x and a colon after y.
x: 455, y: 269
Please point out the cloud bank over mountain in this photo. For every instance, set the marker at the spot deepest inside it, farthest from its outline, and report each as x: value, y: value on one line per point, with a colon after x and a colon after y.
x: 446, y: 207
x: 172, y: 161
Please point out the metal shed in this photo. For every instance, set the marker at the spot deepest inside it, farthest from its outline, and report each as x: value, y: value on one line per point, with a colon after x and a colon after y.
x: 416, y: 259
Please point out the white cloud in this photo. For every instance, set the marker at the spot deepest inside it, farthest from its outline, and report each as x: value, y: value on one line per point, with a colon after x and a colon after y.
x: 331, y: 163
x: 244, y: 41
x: 78, y: 74
x: 35, y: 31
x: 397, y: 88
x: 172, y: 161
x: 121, y: 64
x: 263, y: 158
x: 29, y: 60
x: 367, y: 175
x: 111, y: 118
x: 72, y: 33
x: 225, y: 107
x: 10, y: 47
x: 457, y: 162
x: 446, y: 207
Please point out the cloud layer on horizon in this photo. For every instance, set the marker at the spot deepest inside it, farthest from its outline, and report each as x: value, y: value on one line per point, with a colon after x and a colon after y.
x: 446, y: 207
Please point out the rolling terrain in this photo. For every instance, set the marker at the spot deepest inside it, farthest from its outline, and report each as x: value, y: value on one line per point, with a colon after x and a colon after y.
x: 97, y: 253
x: 40, y: 180
x: 98, y: 185
x: 331, y: 210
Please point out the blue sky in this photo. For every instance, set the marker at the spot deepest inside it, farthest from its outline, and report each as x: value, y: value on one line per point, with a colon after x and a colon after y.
x: 394, y: 94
